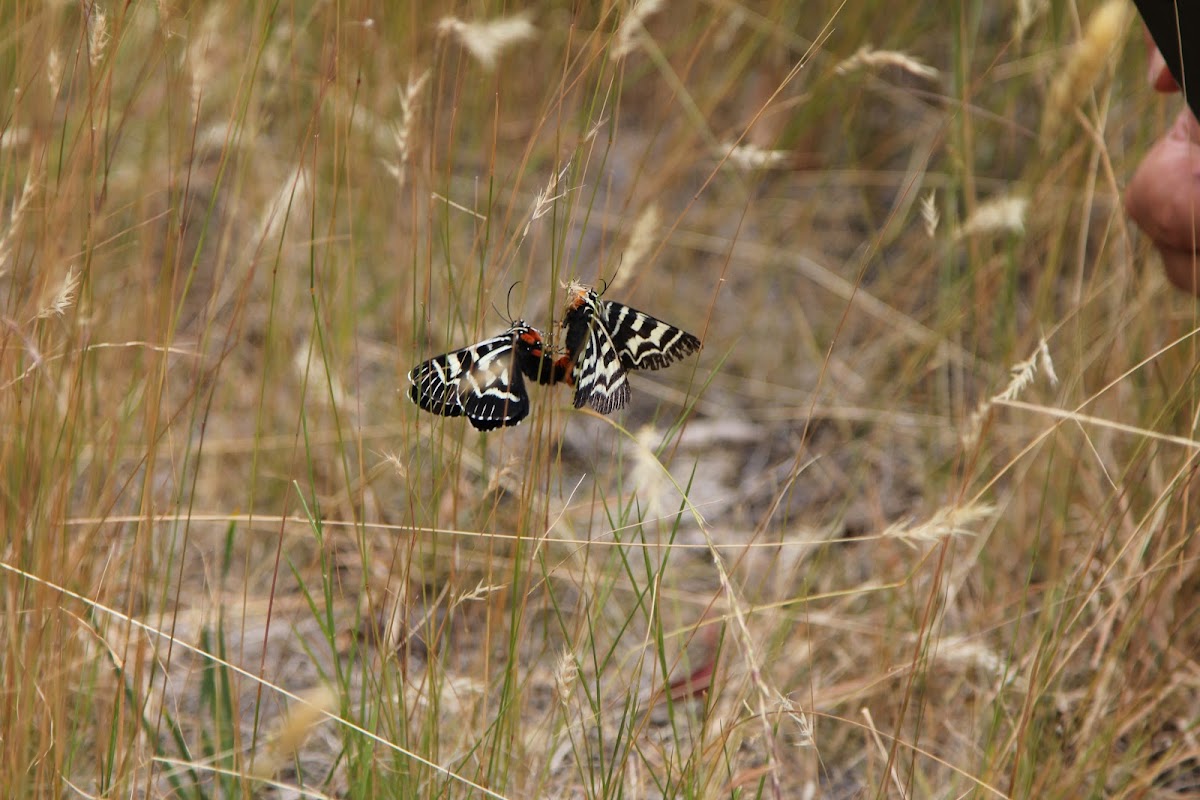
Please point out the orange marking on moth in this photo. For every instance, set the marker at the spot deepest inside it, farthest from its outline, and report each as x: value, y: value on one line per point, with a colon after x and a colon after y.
x: 565, y: 363
x: 534, y: 340
x: 578, y: 293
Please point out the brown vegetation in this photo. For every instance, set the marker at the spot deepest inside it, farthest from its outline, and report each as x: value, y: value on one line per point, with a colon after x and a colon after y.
x: 916, y: 522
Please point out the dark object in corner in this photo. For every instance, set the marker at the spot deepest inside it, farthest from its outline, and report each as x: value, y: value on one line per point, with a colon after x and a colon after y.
x: 1171, y: 22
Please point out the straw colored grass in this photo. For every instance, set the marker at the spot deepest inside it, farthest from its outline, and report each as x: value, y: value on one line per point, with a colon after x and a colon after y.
x: 916, y: 522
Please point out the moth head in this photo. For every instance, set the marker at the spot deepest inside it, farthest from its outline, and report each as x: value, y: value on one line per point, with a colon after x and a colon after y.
x: 577, y: 294
x: 529, y: 340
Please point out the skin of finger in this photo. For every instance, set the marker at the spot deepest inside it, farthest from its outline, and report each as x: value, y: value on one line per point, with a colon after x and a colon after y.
x: 1182, y: 269
x: 1150, y: 198
x: 1163, y: 198
x: 1160, y: 77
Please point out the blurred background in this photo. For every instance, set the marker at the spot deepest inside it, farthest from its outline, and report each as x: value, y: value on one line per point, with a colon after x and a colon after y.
x: 916, y: 522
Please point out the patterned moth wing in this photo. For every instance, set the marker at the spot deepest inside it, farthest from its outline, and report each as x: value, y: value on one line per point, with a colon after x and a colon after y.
x: 644, y: 342
x: 596, y: 369
x: 485, y: 381
x: 605, y: 339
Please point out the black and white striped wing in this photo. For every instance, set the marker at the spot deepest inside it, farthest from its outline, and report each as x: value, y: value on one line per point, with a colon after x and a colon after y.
x: 482, y: 382
x: 644, y: 342
x: 493, y: 392
x: 598, y: 375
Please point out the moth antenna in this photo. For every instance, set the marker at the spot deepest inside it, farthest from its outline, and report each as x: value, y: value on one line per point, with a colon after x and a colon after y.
x: 508, y: 302
x: 508, y: 305
x: 500, y: 314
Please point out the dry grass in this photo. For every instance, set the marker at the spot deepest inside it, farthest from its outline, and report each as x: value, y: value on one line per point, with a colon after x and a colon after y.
x: 916, y: 523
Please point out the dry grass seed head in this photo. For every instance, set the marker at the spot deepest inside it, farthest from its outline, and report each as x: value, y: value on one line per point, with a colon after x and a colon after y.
x: 946, y: 521
x: 749, y: 156
x: 1046, y: 363
x: 487, y: 40
x: 98, y: 36
x: 292, y: 193
x: 14, y: 137
x: 649, y: 476
x: 1023, y: 374
x: 54, y: 72
x: 1104, y: 31
x: 867, y: 58
x: 1005, y: 213
x: 930, y: 215
x: 481, y: 592
x: 302, y: 718
x: 545, y: 198
x: 202, y: 51
x: 402, y: 130
x: 565, y: 675
x: 64, y: 296
x: 392, y: 459
x: 17, y: 215
x: 1028, y: 12
x: 641, y: 241
x: 632, y: 26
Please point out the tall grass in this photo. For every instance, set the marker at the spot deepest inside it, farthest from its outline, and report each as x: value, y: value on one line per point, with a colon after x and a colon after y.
x: 916, y: 523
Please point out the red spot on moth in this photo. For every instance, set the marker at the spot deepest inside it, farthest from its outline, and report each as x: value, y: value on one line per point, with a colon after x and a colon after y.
x: 534, y: 340
x: 566, y: 364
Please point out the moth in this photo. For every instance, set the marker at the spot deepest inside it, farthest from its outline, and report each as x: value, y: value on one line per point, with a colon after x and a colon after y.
x: 485, y: 382
x: 605, y: 340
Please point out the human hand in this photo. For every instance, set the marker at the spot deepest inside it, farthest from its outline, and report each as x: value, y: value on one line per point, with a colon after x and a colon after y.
x: 1163, y: 197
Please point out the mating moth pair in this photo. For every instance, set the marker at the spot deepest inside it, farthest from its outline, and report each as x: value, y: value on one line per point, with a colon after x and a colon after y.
x: 604, y: 341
